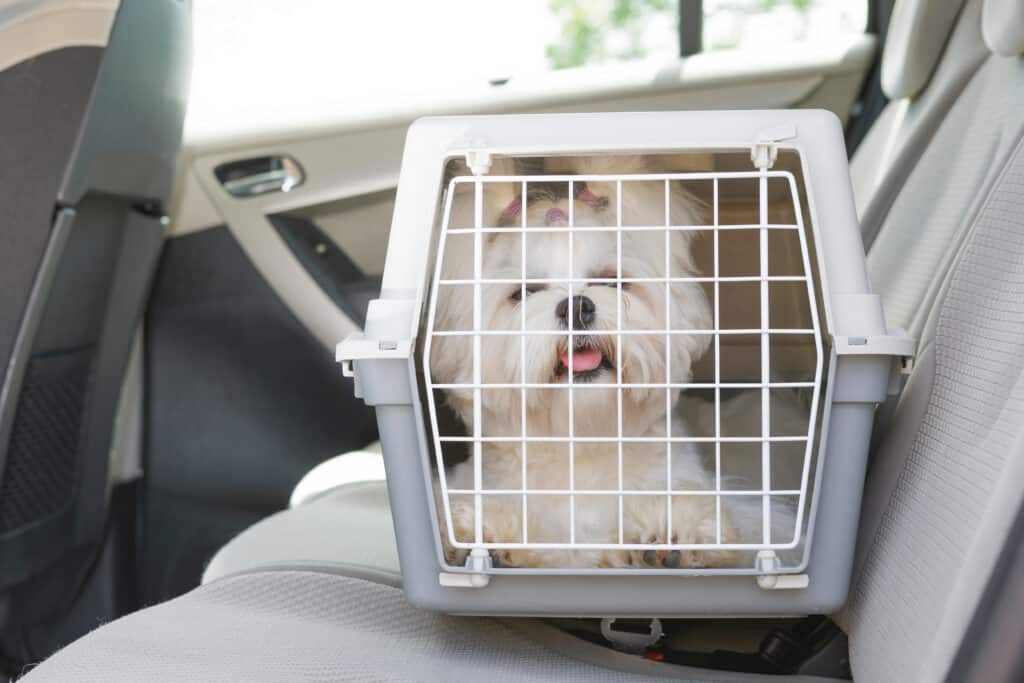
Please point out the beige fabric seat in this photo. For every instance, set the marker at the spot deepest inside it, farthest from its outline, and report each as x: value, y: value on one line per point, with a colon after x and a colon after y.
x: 932, y: 49
x: 312, y: 626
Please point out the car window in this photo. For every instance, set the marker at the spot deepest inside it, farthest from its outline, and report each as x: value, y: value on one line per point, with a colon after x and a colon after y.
x: 268, y: 60
x: 763, y: 24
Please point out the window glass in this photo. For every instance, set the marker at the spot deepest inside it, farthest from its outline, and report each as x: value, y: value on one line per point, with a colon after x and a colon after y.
x: 598, y: 31
x: 398, y: 48
x: 257, y: 62
x: 763, y: 24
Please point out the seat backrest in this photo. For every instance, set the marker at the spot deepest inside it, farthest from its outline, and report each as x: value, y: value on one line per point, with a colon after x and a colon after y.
x: 945, y: 485
x: 932, y: 49
x: 928, y: 215
x: 88, y: 150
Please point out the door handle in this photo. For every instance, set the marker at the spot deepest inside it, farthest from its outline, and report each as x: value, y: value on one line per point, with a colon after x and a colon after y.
x: 260, y: 175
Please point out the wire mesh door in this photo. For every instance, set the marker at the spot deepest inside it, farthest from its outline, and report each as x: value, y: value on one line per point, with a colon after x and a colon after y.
x: 566, y: 317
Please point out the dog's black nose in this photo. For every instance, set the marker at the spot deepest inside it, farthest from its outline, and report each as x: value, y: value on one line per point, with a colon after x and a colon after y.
x: 583, y: 310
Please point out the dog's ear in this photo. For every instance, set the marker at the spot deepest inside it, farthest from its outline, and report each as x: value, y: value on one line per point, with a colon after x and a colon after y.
x: 498, y: 196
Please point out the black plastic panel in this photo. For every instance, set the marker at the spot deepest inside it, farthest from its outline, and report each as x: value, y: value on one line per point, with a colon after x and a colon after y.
x: 44, y: 99
x: 329, y: 266
x: 41, y: 471
x: 242, y: 401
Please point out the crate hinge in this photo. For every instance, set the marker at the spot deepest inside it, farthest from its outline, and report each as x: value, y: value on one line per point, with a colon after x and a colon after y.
x: 765, y: 151
x: 767, y: 561
x: 357, y: 346
x: 479, y: 161
x: 478, y: 562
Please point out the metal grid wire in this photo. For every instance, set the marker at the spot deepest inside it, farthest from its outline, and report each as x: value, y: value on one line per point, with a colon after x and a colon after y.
x: 478, y: 438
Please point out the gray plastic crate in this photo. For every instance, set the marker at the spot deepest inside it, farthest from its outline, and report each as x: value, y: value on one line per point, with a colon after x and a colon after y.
x: 773, y: 178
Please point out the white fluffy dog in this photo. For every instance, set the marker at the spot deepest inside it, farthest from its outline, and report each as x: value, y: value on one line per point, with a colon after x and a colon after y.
x: 599, y: 356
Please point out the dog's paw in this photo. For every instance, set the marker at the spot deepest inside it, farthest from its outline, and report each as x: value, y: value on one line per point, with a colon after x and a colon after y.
x: 666, y: 558
x: 454, y: 557
x: 509, y: 559
x: 462, y: 528
x: 669, y: 558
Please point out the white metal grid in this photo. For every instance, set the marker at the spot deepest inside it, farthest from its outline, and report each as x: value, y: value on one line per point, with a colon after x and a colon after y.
x: 764, y: 330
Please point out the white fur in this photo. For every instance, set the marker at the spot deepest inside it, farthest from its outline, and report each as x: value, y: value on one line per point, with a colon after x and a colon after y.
x: 595, y: 410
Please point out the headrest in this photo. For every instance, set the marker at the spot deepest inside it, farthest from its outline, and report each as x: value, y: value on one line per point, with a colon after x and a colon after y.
x: 918, y: 30
x: 1002, y: 24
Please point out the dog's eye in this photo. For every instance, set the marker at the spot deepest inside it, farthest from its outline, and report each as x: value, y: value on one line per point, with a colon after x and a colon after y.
x: 517, y: 293
x: 609, y: 279
x: 613, y: 285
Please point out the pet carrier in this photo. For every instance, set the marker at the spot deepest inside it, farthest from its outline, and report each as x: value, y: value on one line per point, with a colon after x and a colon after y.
x: 626, y: 364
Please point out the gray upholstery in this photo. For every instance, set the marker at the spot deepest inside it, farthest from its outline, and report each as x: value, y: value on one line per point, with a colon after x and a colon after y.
x: 304, y: 626
x: 310, y: 536
x: 941, y: 194
x: 896, y: 139
x: 1003, y: 25
x: 917, y: 34
x: 939, y: 509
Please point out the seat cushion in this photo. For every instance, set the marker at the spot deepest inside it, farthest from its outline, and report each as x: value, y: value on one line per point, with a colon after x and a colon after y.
x: 307, y: 626
x: 366, y: 464
x: 347, y: 529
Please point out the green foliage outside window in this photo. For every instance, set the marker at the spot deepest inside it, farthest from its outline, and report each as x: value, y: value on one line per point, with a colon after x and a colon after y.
x: 595, y: 31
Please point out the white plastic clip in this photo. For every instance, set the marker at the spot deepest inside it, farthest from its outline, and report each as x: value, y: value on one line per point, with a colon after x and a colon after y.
x: 768, y: 561
x: 631, y: 641
x: 478, y: 562
x: 358, y: 347
x: 765, y: 151
x: 895, y: 343
x: 763, y: 154
x: 479, y: 161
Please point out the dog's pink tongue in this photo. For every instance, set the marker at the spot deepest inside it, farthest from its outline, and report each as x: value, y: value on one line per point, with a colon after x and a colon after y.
x: 583, y: 360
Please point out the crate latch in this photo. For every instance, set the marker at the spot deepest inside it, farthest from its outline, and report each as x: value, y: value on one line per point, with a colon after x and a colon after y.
x: 357, y: 346
x: 765, y: 151
x: 895, y: 343
x: 478, y: 562
x: 767, y: 561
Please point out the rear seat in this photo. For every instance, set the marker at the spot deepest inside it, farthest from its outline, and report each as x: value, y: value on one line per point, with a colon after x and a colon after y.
x: 932, y: 49
x: 917, y: 239
x: 937, y: 508
x: 907, y: 124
